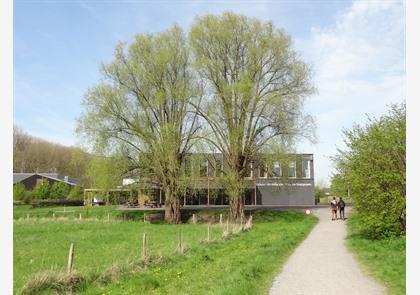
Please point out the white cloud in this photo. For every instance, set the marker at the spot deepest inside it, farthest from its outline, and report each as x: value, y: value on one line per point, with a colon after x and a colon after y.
x: 359, y: 69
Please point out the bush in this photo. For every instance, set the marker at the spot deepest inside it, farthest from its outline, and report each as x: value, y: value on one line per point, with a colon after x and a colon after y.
x: 41, y: 191
x: 59, y: 202
x: 76, y: 193
x: 19, y: 192
x: 59, y: 190
x: 373, y: 170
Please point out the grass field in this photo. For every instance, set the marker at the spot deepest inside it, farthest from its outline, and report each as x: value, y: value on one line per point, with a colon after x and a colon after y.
x: 242, y: 264
x: 100, y: 212
x: 384, y: 259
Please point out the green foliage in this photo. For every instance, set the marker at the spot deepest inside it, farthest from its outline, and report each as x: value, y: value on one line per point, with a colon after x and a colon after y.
x: 59, y: 190
x: 319, y: 193
x: 373, y: 170
x: 255, y: 84
x: 19, y: 192
x: 76, y: 193
x: 239, y: 75
x: 41, y: 191
x: 340, y: 186
x: 143, y: 107
x: 106, y: 172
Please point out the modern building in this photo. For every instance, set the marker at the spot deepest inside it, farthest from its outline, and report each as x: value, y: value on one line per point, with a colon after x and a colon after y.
x: 287, y: 182
x: 31, y: 180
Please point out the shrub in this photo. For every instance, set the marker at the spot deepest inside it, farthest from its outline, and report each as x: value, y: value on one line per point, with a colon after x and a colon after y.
x: 76, y: 193
x: 19, y: 192
x: 372, y: 169
x: 41, y: 191
x: 59, y: 190
x: 59, y: 202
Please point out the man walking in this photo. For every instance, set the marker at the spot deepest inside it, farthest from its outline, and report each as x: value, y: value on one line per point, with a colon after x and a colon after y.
x: 341, y: 206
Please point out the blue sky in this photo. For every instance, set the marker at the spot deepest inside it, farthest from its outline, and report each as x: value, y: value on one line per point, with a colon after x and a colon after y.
x: 356, y: 49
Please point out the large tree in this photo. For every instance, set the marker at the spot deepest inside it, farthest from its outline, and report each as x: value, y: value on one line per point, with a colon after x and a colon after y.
x: 255, y: 86
x: 142, y: 106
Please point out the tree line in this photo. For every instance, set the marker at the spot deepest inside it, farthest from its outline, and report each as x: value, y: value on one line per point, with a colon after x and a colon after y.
x: 232, y: 84
x: 32, y: 154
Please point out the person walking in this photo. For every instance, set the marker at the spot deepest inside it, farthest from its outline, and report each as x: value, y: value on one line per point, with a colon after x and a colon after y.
x: 341, y: 205
x: 333, y: 209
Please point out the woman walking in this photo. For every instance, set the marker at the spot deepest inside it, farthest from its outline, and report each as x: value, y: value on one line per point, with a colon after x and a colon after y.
x: 333, y: 209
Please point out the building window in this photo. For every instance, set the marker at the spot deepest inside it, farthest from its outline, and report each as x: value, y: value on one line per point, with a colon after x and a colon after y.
x: 306, y: 169
x: 203, y: 168
x: 292, y: 170
x: 263, y: 171
x: 276, y: 169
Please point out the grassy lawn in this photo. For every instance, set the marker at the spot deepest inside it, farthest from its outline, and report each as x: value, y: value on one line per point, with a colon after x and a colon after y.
x: 384, y: 259
x: 242, y: 264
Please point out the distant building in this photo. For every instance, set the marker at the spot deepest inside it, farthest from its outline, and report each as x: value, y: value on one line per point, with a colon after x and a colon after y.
x: 276, y: 183
x: 31, y: 180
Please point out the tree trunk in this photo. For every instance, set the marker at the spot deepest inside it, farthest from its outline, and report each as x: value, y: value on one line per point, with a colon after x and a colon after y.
x: 172, y: 209
x: 236, y: 209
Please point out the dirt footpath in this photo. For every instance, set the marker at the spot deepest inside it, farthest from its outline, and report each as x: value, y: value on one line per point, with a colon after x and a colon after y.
x: 322, y: 265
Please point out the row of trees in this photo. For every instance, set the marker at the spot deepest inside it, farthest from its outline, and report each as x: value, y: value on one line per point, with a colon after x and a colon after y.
x: 372, y: 171
x: 233, y: 85
x: 43, y: 191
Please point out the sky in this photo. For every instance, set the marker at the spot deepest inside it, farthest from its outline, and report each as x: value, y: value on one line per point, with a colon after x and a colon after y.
x: 356, y: 50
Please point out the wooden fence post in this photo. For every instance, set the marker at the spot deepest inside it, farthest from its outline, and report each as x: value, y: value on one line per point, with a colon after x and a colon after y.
x: 70, y: 259
x: 194, y: 221
x: 227, y: 226
x: 221, y: 219
x: 180, y: 247
x: 144, y: 249
x: 80, y: 216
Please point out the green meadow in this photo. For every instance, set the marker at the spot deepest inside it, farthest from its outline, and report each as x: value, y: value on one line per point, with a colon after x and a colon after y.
x: 107, y: 258
x: 384, y: 258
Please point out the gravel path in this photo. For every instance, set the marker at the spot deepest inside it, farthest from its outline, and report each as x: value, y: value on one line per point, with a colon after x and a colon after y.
x: 322, y: 265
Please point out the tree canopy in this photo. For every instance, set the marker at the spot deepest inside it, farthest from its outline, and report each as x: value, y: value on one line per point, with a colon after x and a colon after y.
x: 256, y: 85
x: 235, y: 82
x: 142, y: 107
